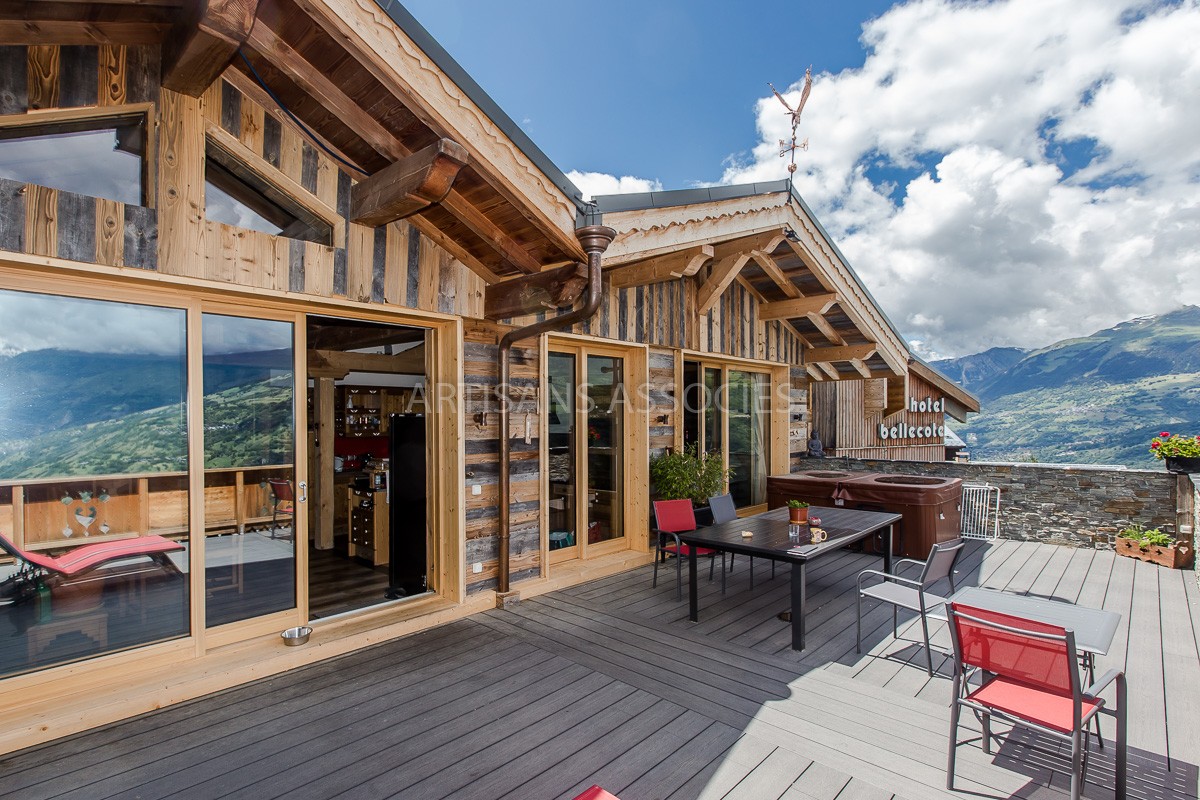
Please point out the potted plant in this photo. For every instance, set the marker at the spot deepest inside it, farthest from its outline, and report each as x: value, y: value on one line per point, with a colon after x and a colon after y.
x: 1154, y: 546
x: 797, y: 512
x: 689, y: 475
x: 1182, y: 453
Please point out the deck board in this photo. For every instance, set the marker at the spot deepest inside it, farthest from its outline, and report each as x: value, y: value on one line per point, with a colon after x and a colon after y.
x: 609, y: 683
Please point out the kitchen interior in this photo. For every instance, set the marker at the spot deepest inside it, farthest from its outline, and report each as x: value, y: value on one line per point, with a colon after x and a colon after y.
x: 368, y: 540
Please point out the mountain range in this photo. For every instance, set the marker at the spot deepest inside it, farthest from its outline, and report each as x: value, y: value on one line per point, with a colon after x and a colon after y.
x: 1098, y: 399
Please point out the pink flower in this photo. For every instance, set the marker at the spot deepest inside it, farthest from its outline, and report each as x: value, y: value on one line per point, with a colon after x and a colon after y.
x: 1156, y: 444
x: 1165, y: 435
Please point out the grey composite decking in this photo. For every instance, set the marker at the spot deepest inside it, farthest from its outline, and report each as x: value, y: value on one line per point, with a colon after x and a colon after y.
x: 609, y: 683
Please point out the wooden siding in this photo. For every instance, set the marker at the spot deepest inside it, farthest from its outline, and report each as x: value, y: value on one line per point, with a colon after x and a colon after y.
x: 482, y: 450
x: 662, y: 396
x: 848, y: 429
x: 798, y: 417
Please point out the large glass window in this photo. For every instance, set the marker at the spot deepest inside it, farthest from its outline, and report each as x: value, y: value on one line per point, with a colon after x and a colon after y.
x: 726, y: 414
x: 93, y: 478
x: 97, y: 157
x: 561, y: 450
x: 249, y: 467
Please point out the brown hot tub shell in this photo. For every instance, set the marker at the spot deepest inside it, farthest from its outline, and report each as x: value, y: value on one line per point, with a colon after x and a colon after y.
x: 931, y: 507
x: 815, y: 486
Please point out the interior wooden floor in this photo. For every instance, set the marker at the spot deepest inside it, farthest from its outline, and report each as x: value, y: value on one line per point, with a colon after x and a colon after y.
x: 608, y: 683
x: 338, y: 583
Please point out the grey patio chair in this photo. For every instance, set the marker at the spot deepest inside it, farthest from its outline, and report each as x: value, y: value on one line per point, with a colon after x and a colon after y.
x: 908, y: 593
x: 723, y: 510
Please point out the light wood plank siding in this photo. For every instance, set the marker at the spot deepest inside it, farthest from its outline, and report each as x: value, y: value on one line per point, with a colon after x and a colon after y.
x: 848, y: 430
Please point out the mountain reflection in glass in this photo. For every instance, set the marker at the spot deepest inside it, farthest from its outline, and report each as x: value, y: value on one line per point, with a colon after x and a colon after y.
x: 93, y: 450
x: 249, y: 467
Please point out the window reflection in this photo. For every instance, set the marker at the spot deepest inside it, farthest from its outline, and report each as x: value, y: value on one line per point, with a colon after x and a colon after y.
x: 249, y: 460
x: 104, y: 161
x: 93, y: 478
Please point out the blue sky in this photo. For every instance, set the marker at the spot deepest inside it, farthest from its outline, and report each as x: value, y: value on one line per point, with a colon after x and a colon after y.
x: 1005, y: 173
x: 663, y: 89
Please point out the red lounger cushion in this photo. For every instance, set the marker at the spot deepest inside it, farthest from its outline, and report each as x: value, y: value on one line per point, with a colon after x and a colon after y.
x: 81, y: 559
x: 596, y: 793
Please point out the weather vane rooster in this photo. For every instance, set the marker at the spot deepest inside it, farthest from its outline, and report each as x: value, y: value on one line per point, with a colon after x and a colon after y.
x: 784, y: 146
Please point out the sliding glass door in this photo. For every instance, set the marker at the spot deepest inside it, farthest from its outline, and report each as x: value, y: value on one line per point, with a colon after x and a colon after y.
x: 586, y: 441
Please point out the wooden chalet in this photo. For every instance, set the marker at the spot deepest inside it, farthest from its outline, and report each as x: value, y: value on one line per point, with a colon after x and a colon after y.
x: 258, y: 262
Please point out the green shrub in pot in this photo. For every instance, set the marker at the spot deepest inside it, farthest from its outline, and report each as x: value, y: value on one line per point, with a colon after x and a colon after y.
x: 688, y: 475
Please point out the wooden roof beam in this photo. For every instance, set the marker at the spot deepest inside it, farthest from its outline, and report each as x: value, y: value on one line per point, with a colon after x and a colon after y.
x: 825, y: 328
x: 861, y: 368
x: 829, y: 370
x: 331, y: 362
x: 288, y: 61
x: 764, y: 242
x: 407, y: 186
x: 799, y: 307
x: 772, y: 271
x: 849, y: 352
x: 723, y: 274
x: 684, y: 263
x: 528, y: 294
x: 203, y: 43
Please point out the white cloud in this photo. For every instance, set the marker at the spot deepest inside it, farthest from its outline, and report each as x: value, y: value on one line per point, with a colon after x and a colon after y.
x: 939, y: 168
x: 967, y: 106
x: 598, y: 183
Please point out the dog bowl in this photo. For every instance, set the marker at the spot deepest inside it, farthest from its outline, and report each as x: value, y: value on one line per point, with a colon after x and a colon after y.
x: 294, y: 637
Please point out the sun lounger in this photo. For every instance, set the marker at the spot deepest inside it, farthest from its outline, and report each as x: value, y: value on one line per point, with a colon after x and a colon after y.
x: 88, y: 557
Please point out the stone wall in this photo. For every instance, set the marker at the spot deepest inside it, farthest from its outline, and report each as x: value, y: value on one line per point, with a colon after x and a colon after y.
x: 1077, y: 506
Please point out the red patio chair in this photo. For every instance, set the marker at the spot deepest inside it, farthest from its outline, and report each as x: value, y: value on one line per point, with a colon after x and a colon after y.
x: 88, y: 557
x: 672, y: 517
x: 596, y: 793
x: 1031, y: 679
x: 282, y: 503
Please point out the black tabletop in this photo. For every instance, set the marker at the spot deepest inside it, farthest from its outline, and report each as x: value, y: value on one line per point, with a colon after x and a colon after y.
x: 770, y: 532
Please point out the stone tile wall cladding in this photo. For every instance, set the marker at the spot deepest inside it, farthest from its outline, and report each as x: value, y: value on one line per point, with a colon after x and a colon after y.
x: 1076, y: 506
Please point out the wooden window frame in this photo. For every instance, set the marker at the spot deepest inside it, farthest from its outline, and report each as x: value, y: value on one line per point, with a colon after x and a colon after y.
x: 233, y: 156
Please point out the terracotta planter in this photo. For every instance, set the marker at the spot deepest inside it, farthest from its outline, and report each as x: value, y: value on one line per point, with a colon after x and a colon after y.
x: 1183, y: 466
x: 1176, y: 556
x: 798, y: 516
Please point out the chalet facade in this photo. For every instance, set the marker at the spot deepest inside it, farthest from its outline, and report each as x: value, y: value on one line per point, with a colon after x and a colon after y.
x: 260, y: 265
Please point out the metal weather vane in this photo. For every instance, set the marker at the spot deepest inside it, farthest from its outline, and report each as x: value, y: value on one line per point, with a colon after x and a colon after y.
x: 784, y: 146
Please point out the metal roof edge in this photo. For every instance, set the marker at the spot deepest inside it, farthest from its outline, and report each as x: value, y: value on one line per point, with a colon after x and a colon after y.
x: 641, y: 201
x: 453, y: 70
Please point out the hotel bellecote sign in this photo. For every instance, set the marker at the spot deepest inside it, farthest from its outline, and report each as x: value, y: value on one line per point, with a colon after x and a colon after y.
x: 906, y: 430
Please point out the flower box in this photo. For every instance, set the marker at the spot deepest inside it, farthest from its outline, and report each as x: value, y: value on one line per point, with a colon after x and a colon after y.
x: 1176, y: 556
x: 1182, y: 465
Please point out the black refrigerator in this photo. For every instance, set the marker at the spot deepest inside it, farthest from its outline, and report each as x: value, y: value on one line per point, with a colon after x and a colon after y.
x: 407, y: 570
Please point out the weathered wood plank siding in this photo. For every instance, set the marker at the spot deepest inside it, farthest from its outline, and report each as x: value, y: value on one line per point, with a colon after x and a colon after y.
x: 482, y: 444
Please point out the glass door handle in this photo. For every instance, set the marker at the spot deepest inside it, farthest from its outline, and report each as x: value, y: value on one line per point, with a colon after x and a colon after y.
x: 303, y: 486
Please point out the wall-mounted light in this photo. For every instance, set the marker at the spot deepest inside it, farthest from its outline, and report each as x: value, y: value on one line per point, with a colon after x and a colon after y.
x: 790, y: 235
x: 662, y: 419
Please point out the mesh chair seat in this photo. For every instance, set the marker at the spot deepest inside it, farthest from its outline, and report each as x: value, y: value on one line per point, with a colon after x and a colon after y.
x: 1048, y: 709
x: 904, y: 596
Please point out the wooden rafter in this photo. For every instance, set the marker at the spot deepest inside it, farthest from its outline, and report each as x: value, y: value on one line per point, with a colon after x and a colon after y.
x: 861, y: 368
x: 203, y: 43
x: 407, y: 186
x: 292, y: 64
x: 330, y: 362
x: 772, y: 271
x: 57, y: 23
x: 850, y: 352
x: 684, y: 263
x: 798, y: 307
x: 723, y: 273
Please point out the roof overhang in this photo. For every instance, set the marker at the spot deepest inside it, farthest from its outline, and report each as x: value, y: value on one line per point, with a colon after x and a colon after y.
x: 371, y: 85
x: 763, y: 237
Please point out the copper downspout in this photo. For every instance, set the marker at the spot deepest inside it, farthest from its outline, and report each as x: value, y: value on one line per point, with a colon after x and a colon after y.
x: 595, y: 240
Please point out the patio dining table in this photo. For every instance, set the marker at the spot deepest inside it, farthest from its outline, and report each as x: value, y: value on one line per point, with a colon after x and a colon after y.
x: 769, y: 538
